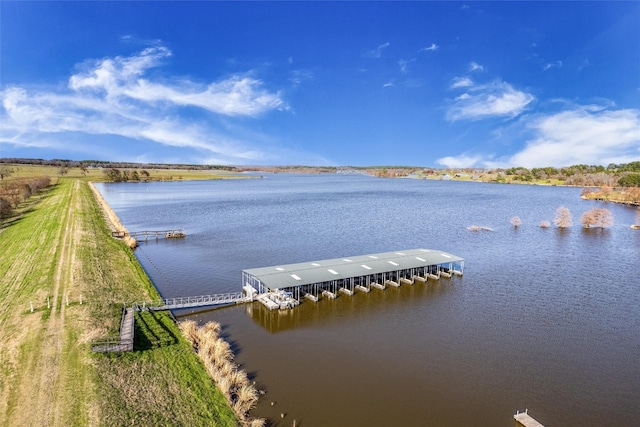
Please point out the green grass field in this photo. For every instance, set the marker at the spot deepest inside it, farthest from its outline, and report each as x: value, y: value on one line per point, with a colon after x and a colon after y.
x: 96, y: 174
x: 61, y: 250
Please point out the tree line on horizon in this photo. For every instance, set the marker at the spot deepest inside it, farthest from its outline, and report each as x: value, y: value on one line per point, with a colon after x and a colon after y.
x: 613, y: 175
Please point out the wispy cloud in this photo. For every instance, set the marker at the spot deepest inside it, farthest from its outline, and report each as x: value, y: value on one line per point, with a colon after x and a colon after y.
x: 377, y: 52
x: 404, y: 65
x: 431, y: 48
x: 585, y: 63
x: 114, y: 97
x: 461, y: 161
x: 474, y: 66
x: 299, y: 76
x: 550, y: 65
x: 459, y: 82
x: 496, y: 99
x: 576, y: 135
x: 582, y: 136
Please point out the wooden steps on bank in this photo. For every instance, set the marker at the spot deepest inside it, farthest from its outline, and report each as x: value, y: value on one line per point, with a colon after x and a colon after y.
x: 122, y: 343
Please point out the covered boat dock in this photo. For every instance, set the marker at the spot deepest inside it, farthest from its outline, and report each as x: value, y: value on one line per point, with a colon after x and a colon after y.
x: 285, y: 286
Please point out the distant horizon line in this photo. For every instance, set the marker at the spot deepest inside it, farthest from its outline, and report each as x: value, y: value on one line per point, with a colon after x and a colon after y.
x: 55, y: 161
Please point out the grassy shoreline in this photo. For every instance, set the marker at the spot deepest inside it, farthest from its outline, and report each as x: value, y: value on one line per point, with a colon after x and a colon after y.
x: 62, y: 250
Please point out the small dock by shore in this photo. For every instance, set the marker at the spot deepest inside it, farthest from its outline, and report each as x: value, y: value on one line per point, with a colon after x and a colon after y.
x: 167, y: 234
x: 525, y: 420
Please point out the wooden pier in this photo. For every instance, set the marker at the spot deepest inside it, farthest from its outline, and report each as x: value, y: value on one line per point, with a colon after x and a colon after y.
x: 166, y: 234
x: 526, y: 420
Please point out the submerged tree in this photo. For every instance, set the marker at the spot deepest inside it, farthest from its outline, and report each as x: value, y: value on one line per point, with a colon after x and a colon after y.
x: 563, y: 217
x: 515, y: 221
x: 597, y: 217
x: 544, y: 224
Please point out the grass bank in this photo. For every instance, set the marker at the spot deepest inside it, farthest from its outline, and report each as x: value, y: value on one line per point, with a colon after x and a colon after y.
x: 59, y: 253
x: 98, y: 174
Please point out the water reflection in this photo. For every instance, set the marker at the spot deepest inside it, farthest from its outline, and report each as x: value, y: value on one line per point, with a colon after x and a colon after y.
x: 342, y: 309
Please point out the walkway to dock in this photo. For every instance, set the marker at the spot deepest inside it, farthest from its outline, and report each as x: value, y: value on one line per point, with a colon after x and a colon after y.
x: 191, y: 302
x: 526, y: 420
x: 127, y: 325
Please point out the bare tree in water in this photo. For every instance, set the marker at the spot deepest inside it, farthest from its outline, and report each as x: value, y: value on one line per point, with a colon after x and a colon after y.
x: 597, y: 217
x: 515, y: 221
x: 563, y: 217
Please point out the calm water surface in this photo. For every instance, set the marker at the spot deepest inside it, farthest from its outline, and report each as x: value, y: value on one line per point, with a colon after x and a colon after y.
x: 543, y: 319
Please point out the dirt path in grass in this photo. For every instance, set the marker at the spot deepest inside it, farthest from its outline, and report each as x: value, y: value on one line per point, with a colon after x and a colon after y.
x: 40, y: 354
x: 52, y: 366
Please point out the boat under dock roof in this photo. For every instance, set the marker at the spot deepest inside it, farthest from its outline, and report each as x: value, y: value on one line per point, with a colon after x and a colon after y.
x: 307, y: 273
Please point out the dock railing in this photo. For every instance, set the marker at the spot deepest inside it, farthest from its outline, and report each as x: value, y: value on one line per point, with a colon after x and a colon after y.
x: 188, y: 302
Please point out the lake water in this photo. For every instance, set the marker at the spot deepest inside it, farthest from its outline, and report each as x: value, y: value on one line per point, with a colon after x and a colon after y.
x: 544, y: 319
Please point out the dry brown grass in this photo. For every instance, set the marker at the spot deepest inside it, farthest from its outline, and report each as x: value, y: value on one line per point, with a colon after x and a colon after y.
x: 217, y: 358
x: 112, y: 219
x: 257, y: 422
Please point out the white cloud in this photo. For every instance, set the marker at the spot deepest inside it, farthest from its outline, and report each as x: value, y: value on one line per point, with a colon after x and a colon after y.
x: 388, y: 84
x: 576, y: 135
x: 431, y: 48
x: 551, y: 65
x: 459, y: 82
x: 461, y: 161
x: 497, y: 99
x: 582, y: 136
x: 403, y: 64
x: 111, y: 96
x: 377, y: 52
x: 235, y: 96
x: 474, y: 66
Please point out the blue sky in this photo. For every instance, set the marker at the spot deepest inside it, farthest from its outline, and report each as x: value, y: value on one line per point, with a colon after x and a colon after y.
x: 434, y: 84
